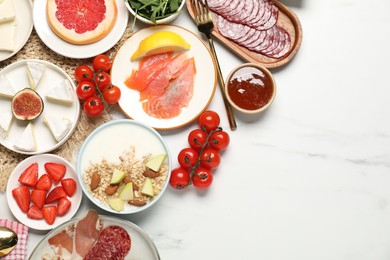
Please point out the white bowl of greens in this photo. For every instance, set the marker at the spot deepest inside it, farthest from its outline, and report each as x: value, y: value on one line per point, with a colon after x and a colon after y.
x: 155, y: 11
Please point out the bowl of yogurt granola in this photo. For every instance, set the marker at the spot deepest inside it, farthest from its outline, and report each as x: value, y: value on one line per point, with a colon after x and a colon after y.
x: 124, y: 166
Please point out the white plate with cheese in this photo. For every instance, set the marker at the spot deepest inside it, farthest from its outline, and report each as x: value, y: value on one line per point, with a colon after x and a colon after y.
x: 16, y: 24
x: 60, y: 114
x: 69, y: 50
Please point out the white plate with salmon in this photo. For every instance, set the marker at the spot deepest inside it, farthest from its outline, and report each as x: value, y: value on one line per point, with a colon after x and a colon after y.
x: 179, y: 86
x: 94, y: 236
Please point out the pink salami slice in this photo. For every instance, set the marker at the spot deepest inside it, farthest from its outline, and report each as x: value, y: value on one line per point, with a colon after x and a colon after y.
x: 254, y: 11
x: 268, y: 41
x: 230, y: 6
x: 233, y: 15
x: 269, y: 18
x: 273, y: 18
x: 231, y: 30
x: 215, y: 4
x: 114, y: 243
x: 285, y: 49
x: 247, y: 36
x: 260, y: 12
x: 275, y: 41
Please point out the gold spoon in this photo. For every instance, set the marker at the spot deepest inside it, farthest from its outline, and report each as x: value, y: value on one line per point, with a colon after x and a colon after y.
x: 8, y: 240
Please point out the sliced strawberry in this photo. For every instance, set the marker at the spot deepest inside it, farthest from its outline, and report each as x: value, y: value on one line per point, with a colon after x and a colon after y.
x: 29, y: 176
x: 63, y: 206
x: 69, y: 186
x: 38, y: 197
x: 49, y: 214
x: 22, y: 196
x: 56, y: 171
x: 56, y: 194
x: 34, y: 212
x: 44, y: 183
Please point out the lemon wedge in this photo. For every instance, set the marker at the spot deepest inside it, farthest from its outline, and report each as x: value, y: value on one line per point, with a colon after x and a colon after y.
x: 160, y: 42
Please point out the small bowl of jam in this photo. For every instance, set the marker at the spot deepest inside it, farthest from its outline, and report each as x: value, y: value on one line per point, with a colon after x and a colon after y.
x: 250, y: 88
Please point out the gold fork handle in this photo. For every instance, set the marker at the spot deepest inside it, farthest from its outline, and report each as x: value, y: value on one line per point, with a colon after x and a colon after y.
x: 229, y: 110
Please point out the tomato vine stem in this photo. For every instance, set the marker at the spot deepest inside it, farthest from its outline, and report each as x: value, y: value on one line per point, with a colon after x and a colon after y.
x: 204, y: 145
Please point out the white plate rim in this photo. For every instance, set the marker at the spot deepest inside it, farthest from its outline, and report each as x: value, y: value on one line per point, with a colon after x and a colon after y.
x: 74, y: 126
x: 27, y: 31
x: 56, y: 44
x: 161, y: 124
x: 102, y: 128
x: 22, y: 217
x: 104, y: 218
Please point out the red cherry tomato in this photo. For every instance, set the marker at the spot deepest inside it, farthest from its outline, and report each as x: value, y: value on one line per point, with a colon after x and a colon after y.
x: 101, y: 63
x: 202, y: 178
x: 219, y: 140
x: 112, y: 94
x: 196, y: 139
x: 94, y: 106
x: 209, y: 121
x: 102, y: 80
x: 83, y: 73
x: 210, y: 159
x: 187, y: 158
x: 180, y: 178
x: 85, y: 90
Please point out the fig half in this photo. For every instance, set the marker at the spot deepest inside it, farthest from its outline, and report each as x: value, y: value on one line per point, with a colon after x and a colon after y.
x: 27, y: 104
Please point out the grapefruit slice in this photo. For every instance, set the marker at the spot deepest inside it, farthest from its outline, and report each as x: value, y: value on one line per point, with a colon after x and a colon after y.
x: 81, y: 21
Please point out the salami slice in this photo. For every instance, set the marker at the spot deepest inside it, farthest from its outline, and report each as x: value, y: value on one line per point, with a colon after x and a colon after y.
x: 231, y: 30
x: 215, y: 4
x: 254, y: 11
x: 230, y: 6
x: 114, y: 243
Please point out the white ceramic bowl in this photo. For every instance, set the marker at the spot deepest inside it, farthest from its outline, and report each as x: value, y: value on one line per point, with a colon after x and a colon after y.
x: 165, y: 20
x: 250, y: 88
x: 110, y: 141
x: 13, y: 183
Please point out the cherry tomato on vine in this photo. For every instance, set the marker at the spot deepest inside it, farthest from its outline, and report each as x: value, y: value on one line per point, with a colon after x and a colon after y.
x: 85, y: 90
x: 94, y: 106
x: 219, y: 140
x: 196, y: 139
x: 112, y: 94
x: 180, y: 178
x: 101, y: 63
x: 187, y: 158
x: 202, y: 178
x: 102, y: 80
x: 83, y: 73
x: 209, y: 120
x: 210, y: 159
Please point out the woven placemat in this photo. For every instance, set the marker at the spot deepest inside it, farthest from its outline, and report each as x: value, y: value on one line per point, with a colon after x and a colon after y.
x: 36, y: 49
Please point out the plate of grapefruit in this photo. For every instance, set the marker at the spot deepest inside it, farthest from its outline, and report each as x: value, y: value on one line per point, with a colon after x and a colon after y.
x: 166, y: 75
x: 80, y: 29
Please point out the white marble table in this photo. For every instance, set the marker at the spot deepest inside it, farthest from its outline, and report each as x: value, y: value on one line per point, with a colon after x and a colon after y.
x: 310, y: 178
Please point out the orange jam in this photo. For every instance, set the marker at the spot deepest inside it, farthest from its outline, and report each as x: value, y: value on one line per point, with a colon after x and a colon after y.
x: 250, y: 88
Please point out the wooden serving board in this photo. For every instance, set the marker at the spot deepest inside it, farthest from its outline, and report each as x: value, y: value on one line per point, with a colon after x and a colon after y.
x: 286, y: 19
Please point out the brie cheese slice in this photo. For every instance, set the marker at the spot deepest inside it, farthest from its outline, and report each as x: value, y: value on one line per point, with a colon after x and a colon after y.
x: 6, y: 89
x: 35, y: 71
x: 26, y: 141
x: 7, y: 11
x: 59, y: 127
x: 7, y: 39
x: 62, y: 92
x: 5, y: 122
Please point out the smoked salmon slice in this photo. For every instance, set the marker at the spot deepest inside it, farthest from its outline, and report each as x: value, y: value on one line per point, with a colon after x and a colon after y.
x: 177, y: 94
x: 148, y: 67
x: 162, y: 77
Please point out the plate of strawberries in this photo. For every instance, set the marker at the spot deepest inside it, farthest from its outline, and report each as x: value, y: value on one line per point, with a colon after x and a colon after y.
x: 43, y: 192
